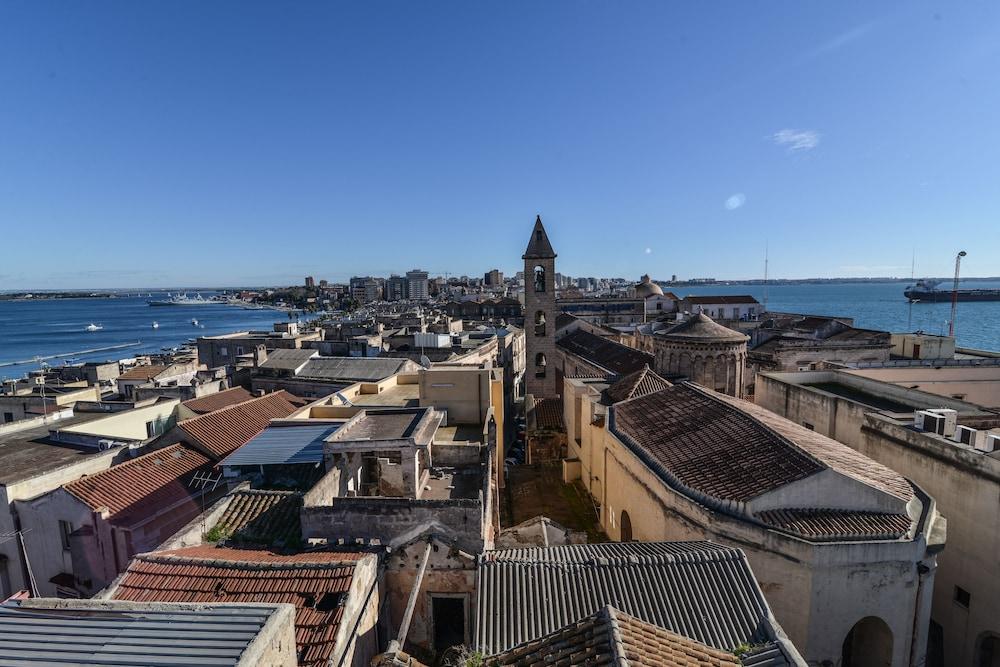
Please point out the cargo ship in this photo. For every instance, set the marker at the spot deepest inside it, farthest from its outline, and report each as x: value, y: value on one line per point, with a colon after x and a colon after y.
x: 927, y: 290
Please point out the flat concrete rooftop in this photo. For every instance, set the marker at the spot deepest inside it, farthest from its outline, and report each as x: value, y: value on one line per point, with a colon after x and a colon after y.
x: 400, y: 395
x: 403, y: 423
x: 854, y: 394
x: 447, y: 483
x: 31, y: 452
x: 459, y: 433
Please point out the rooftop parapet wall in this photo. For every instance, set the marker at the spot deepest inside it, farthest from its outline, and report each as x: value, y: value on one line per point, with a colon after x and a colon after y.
x: 394, y: 521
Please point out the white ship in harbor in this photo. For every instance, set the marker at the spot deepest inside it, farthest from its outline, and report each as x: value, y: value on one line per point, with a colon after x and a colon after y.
x: 185, y: 300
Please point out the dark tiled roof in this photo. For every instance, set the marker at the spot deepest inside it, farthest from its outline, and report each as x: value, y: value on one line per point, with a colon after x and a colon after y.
x: 721, y: 298
x: 218, y: 400
x: 608, y: 354
x: 288, y: 359
x: 211, y: 574
x: 141, y: 373
x: 635, y: 385
x: 548, y: 414
x: 145, y: 484
x: 702, y: 327
x: 269, y: 518
x: 611, y: 637
x: 351, y: 369
x: 538, y: 246
x: 829, y: 524
x: 832, y: 454
x: 700, y: 590
x: 708, y: 446
x: 222, y: 431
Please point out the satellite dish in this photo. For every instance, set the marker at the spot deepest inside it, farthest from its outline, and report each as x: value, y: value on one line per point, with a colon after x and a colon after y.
x: 424, y: 361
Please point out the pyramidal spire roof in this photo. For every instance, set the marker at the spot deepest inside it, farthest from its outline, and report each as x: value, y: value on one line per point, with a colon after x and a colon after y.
x: 539, y: 246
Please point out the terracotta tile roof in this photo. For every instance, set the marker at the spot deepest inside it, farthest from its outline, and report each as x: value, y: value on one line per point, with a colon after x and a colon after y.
x: 708, y: 446
x: 263, y: 517
x: 634, y: 385
x: 222, y: 431
x: 144, y: 484
x: 218, y: 400
x: 603, y: 352
x: 829, y: 524
x: 611, y: 637
x: 142, y: 373
x: 549, y: 414
x: 316, y: 583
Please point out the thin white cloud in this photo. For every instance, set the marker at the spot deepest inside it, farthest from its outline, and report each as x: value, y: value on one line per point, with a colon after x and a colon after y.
x: 796, y: 140
x: 736, y: 201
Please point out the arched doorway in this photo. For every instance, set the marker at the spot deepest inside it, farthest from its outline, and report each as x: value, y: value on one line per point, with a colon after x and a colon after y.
x: 988, y: 651
x: 626, y: 527
x: 868, y: 644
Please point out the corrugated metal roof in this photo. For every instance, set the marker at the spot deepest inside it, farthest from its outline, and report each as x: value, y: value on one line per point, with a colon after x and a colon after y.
x: 700, y: 590
x: 277, y: 445
x: 178, y: 636
x: 290, y: 359
x: 351, y: 368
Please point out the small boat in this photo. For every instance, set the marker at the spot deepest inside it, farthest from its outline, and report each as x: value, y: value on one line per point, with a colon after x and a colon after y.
x: 194, y: 322
x: 94, y: 327
x: 156, y: 325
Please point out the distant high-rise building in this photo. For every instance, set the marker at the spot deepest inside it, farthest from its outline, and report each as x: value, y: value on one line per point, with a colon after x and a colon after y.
x: 417, y: 285
x: 396, y: 288
x: 493, y: 278
x: 310, y: 282
x: 324, y: 283
x: 366, y: 289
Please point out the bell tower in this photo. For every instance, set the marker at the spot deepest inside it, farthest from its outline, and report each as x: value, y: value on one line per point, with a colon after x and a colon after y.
x: 540, y: 314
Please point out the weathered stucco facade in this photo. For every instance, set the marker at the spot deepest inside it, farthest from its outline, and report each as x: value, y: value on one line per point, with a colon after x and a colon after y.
x: 964, y: 482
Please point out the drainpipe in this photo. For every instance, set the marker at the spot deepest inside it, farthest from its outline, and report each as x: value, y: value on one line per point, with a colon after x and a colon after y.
x: 404, y: 625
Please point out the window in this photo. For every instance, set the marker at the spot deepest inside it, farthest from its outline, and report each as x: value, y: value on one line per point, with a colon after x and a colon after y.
x: 539, y: 323
x: 539, y: 279
x: 8, y: 417
x: 239, y: 349
x: 962, y: 596
x: 154, y: 428
x: 224, y: 351
x: 540, y: 365
x: 65, y: 528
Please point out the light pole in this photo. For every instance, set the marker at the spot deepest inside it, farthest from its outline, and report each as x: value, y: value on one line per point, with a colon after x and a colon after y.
x: 954, y: 293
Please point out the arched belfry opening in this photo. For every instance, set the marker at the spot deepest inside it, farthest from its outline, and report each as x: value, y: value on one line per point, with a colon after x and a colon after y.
x: 540, y: 311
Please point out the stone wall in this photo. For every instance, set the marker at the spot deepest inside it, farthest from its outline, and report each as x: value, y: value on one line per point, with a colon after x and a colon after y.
x: 395, y: 520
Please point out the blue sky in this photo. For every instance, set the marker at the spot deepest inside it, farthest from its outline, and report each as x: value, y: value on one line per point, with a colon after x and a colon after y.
x: 192, y: 143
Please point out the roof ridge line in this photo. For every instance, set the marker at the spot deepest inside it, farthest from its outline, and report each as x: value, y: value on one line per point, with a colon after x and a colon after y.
x: 232, y: 405
x: 174, y: 559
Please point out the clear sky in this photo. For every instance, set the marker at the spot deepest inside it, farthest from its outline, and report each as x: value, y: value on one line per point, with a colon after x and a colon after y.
x: 216, y: 143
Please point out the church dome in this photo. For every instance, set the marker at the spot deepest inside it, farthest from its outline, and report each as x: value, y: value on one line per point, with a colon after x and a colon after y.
x: 646, y: 288
x: 703, y: 328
